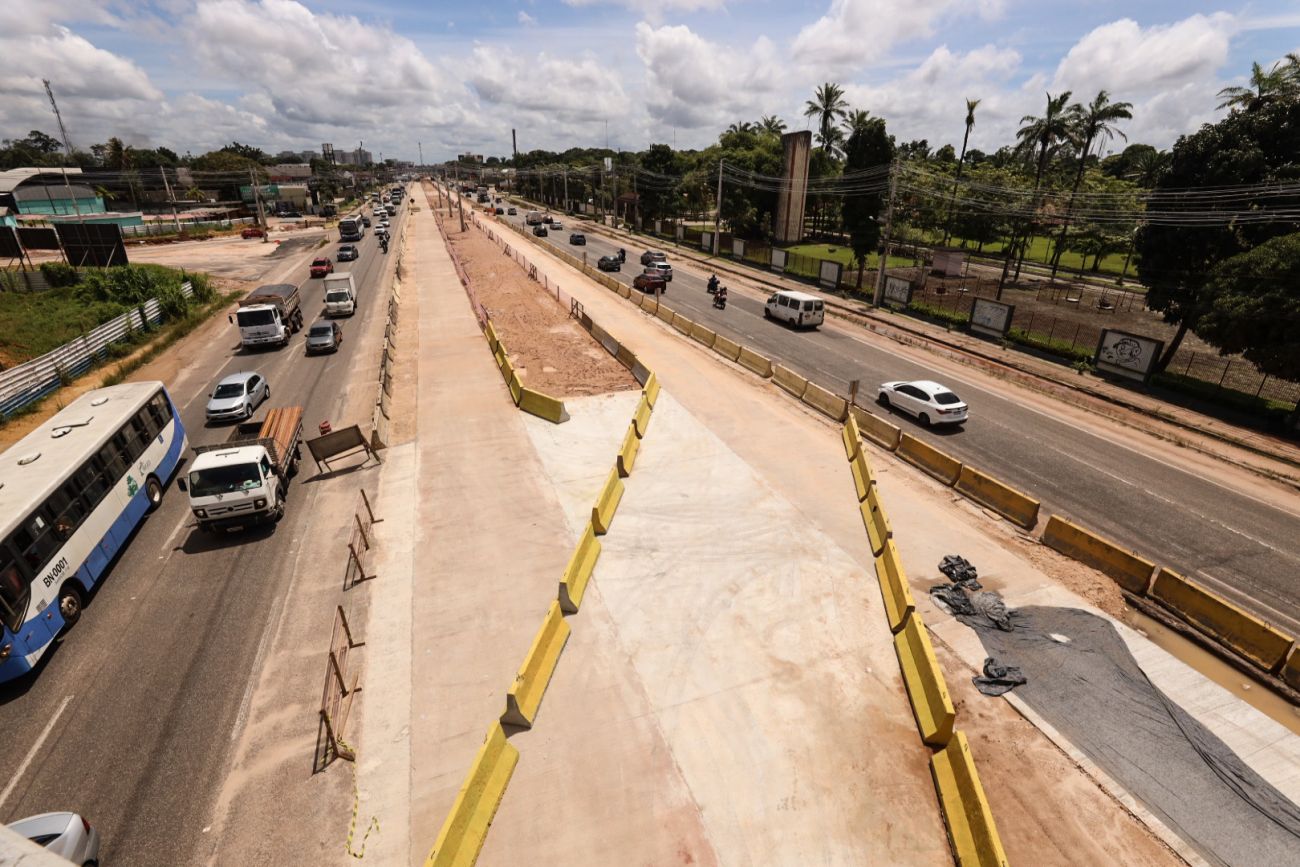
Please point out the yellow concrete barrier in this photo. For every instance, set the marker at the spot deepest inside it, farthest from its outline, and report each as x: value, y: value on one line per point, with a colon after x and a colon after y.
x: 971, y: 830
x: 602, y: 514
x: 1015, y: 506
x: 919, y: 454
x: 516, y: 387
x: 789, y: 381
x: 1291, y: 668
x: 1129, y: 571
x: 492, y: 339
x: 1245, y: 633
x: 573, y: 583
x: 628, y: 451
x: 751, y: 360
x: 894, y: 589
x: 641, y: 418
x: 624, y: 290
x: 682, y: 324
x: 466, y: 826
x: 862, y: 477
x: 651, y: 389
x: 727, y: 348
x: 851, y: 436
x: 925, y: 684
x: 503, y: 362
x: 665, y: 313
x: 873, y: 516
x: 825, y: 402
x: 525, y: 695
x: 542, y: 405
x: 876, y: 429
x: 700, y: 334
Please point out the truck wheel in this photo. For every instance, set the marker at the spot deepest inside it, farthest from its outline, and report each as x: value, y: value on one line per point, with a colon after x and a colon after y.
x: 278, y: 513
x: 154, y: 492
x: 70, y: 603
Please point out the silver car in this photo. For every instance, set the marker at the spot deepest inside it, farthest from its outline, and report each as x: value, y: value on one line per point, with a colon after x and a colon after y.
x: 325, y: 335
x: 67, y: 835
x: 237, y: 396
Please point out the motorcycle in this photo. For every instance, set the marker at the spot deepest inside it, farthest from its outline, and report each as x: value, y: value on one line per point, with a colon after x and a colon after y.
x: 383, y: 245
x: 713, y: 284
x: 622, y: 256
x: 720, y: 299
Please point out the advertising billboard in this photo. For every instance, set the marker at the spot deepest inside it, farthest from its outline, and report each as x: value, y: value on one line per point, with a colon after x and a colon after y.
x: 991, y: 318
x: 1129, y: 355
x: 898, y: 292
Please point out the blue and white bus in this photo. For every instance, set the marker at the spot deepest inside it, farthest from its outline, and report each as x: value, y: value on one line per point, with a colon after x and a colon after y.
x: 71, y: 494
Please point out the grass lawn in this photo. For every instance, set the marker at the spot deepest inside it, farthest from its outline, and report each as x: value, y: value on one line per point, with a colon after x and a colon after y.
x: 33, y: 323
x: 1040, y: 251
x: 844, y: 255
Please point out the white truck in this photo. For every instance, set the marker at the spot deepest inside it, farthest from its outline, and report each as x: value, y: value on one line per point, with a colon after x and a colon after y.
x: 269, y: 315
x: 340, y: 294
x: 244, y: 480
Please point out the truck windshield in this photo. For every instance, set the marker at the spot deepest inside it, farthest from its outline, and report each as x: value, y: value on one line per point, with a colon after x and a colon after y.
x: 255, y: 317
x: 337, y: 297
x: 224, y: 480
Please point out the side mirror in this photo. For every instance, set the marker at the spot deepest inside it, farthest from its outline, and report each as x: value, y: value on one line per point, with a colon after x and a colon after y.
x: 230, y: 317
x: 183, y: 485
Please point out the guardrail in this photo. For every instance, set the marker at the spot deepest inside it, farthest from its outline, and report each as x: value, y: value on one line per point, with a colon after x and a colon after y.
x: 381, y: 415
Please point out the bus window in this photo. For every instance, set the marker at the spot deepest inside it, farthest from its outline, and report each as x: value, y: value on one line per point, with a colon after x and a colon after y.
x: 13, y: 592
x: 36, y: 541
x: 91, y: 484
x: 67, y: 509
x: 160, y: 411
x: 114, y: 465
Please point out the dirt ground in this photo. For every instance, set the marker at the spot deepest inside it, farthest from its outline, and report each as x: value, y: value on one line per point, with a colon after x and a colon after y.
x: 552, y: 353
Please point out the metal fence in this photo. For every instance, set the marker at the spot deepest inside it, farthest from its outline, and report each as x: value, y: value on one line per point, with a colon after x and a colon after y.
x: 160, y: 227
x: 32, y: 380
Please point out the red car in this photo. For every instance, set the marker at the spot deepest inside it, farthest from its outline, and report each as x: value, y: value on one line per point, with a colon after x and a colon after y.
x: 322, y: 266
x: 253, y: 232
x: 650, y: 283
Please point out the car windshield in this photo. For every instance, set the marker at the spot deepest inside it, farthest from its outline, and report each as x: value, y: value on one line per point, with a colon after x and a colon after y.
x: 224, y: 480
x: 321, y: 262
x: 946, y: 398
x: 322, y: 330
x: 229, y: 389
x: 255, y: 317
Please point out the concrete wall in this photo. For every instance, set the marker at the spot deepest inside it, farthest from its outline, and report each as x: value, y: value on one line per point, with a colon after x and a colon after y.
x: 790, y: 203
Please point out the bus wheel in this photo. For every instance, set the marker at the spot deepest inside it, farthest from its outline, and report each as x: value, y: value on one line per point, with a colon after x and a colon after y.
x: 153, y: 490
x: 70, y: 604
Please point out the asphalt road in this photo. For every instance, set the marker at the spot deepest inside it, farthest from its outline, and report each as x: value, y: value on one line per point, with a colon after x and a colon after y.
x: 131, y: 719
x: 1238, y: 544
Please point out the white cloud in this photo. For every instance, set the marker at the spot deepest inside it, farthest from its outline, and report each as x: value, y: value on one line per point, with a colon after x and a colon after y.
x: 651, y: 7
x: 526, y: 19
x: 854, y: 33
x: 556, y: 90
x: 691, y: 82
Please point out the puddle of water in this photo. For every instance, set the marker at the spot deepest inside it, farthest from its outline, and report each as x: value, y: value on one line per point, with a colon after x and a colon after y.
x: 1257, y: 696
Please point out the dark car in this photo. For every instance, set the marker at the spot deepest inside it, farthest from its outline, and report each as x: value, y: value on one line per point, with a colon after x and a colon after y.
x: 546, y: 218
x: 610, y: 263
x: 511, y: 211
x: 325, y: 335
x: 365, y: 221
x: 346, y: 253
x: 578, y: 239
x: 650, y: 283
x: 653, y: 256
x: 539, y: 231
x: 322, y: 266
x: 253, y: 232
x: 501, y: 211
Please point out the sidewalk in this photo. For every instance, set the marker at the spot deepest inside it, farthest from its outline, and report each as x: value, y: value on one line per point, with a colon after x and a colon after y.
x: 1266, y: 453
x: 1038, y: 779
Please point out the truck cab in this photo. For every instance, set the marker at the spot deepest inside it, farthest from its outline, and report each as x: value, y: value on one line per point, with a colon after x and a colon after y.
x: 262, y: 325
x: 340, y: 295
x: 244, y: 480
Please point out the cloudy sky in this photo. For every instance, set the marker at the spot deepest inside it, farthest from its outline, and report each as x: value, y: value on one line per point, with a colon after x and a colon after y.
x: 455, y: 76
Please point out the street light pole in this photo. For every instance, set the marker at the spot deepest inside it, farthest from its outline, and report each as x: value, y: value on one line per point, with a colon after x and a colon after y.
x: 889, y: 228
x: 717, y: 215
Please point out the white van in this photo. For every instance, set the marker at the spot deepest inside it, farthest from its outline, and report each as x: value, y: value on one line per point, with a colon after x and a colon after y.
x: 798, y: 308
x: 340, y: 294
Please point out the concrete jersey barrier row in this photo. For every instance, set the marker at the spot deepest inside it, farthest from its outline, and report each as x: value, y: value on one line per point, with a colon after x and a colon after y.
x: 466, y: 826
x: 1245, y: 633
x: 971, y: 831
x: 1130, y: 571
x: 525, y: 694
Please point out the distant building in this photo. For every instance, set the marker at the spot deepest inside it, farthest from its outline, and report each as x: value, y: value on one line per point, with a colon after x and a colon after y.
x: 469, y: 158
x: 289, y: 172
x: 358, y: 157
x: 46, y: 192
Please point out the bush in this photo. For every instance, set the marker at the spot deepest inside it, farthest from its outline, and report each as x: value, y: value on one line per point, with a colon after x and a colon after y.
x: 59, y: 274
x: 1059, y: 348
x: 938, y: 314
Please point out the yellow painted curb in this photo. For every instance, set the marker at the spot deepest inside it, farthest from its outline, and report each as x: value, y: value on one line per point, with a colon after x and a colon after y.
x: 862, y: 477
x: 894, y: 590
x: 1129, y: 571
x: 925, y: 684
x: 641, y: 418
x: 851, y: 436
x: 876, y: 429
x: 602, y: 514
x: 877, y: 523
x: 1245, y: 633
x: 466, y: 826
x: 628, y: 451
x: 525, y: 695
x: 573, y: 583
x: 789, y: 381
x: 971, y: 830
x: 924, y: 456
x: 727, y: 348
x: 1016, y: 507
x: 651, y: 389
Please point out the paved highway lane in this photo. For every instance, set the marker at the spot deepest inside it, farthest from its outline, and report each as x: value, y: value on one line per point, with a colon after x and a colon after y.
x: 1222, y: 535
x: 132, y: 719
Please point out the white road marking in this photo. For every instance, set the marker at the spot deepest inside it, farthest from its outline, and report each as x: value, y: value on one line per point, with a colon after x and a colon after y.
x: 31, y: 754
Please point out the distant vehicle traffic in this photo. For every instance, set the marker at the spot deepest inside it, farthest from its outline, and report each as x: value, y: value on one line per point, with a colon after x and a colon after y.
x: 346, y: 253
x: 269, y: 314
x: 929, y: 401
x: 533, y: 218
x: 799, y: 309
x: 253, y: 232
x: 72, y: 493
x: 340, y: 295
x: 650, y: 283
x: 539, y: 231
x: 243, y: 480
x: 578, y: 239
x: 321, y: 266
x: 67, y: 835
x: 237, y: 396
x: 325, y: 335
x: 610, y: 263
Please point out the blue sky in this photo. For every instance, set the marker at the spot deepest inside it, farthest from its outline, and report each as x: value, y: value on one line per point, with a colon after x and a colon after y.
x: 195, y: 74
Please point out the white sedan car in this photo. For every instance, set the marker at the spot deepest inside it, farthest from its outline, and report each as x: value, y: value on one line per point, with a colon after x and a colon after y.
x: 929, y: 401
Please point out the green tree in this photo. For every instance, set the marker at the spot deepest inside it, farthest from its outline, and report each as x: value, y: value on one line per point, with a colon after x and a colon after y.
x: 1043, y: 135
x: 771, y: 124
x: 1254, y: 307
x: 248, y: 152
x: 971, y: 105
x: 828, y: 105
x: 42, y: 143
x: 1255, y: 148
x: 1093, y: 124
x: 1280, y: 82
x: 658, y: 188
x: 868, y: 146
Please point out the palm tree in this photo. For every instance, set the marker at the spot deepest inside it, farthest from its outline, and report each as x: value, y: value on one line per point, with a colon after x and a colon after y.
x: 828, y: 106
x: 1043, y: 134
x: 971, y: 105
x: 743, y: 126
x: 1148, y: 167
x: 194, y: 194
x: 856, y: 120
x: 1265, y: 87
x: 770, y: 123
x: 1094, y: 123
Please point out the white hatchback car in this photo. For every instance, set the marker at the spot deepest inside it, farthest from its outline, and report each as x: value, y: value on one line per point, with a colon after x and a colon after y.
x: 929, y: 401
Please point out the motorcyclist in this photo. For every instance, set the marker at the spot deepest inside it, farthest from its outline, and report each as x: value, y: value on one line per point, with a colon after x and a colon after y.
x: 720, y: 299
x: 383, y: 243
x: 713, y: 284
x: 622, y: 255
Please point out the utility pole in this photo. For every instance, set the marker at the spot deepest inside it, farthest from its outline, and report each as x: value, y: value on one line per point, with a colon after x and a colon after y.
x: 717, y: 215
x: 460, y: 209
x: 257, y: 199
x: 566, y: 190
x: 889, y: 228
x: 167, y: 186
x: 420, y: 145
x: 67, y: 144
